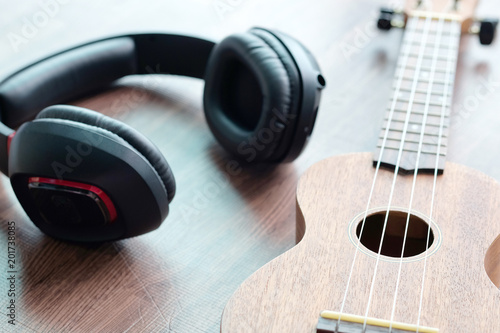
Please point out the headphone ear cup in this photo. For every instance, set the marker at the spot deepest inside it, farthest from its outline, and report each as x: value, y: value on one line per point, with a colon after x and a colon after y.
x: 252, y: 94
x: 137, y: 140
x: 80, y: 178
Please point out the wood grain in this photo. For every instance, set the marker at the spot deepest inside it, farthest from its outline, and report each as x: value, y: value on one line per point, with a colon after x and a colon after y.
x: 288, y: 294
x: 222, y: 227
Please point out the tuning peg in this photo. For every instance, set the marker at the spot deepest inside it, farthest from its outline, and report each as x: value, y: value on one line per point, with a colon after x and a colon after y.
x: 386, y: 19
x: 486, y: 29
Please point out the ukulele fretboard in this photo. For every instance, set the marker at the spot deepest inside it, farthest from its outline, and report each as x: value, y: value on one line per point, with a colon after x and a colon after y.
x: 416, y: 123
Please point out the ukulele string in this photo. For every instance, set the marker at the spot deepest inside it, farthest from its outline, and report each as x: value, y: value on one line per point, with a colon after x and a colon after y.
x: 437, y: 42
x: 404, y: 62
x: 446, y: 95
x: 398, y: 163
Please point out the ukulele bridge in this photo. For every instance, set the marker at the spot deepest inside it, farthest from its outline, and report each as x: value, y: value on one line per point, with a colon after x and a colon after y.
x: 349, y: 323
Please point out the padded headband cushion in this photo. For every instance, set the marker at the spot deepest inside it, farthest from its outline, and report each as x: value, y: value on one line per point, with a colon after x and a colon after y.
x: 248, y: 92
x: 133, y: 137
x: 65, y: 76
x: 87, y: 68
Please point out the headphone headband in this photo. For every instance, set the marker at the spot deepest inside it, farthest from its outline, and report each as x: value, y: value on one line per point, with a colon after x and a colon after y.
x: 68, y: 165
x: 83, y: 69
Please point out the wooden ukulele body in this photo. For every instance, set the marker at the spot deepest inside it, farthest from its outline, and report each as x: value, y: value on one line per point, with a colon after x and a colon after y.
x: 462, y: 267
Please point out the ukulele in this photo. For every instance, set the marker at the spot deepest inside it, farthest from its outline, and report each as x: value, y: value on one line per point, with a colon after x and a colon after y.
x: 391, y: 241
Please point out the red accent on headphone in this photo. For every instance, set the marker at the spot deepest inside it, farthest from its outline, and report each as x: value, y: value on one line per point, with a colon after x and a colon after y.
x: 9, y: 140
x: 94, y: 189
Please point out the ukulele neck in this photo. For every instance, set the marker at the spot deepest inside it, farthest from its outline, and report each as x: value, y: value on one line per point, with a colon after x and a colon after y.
x: 415, y: 130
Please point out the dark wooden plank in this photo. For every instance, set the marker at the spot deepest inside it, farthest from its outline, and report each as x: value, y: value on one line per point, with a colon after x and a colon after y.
x: 222, y: 227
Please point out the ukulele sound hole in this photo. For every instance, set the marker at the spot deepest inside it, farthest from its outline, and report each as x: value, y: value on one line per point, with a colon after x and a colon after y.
x: 416, y: 238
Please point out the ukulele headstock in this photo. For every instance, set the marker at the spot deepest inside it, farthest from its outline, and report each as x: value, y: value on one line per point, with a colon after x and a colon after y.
x: 459, y: 10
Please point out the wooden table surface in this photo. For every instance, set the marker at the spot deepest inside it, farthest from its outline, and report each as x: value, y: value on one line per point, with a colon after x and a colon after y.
x: 221, y: 227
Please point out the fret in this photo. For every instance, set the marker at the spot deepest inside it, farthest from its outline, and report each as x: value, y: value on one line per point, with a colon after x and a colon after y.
x: 430, y: 123
x: 400, y: 116
x: 441, y: 69
x: 445, y: 39
x: 409, y: 74
x: 417, y: 108
x: 414, y: 136
x: 429, y: 47
x: 415, y: 128
x: 439, y: 95
x: 407, y: 84
x: 409, y: 131
x: 446, y: 33
x: 426, y: 80
x: 445, y: 42
x: 422, y: 102
x: 427, y: 63
x: 422, y: 91
x: 434, y: 121
x: 424, y: 86
x: 419, y: 33
x: 415, y: 150
x: 441, y: 62
x: 428, y: 56
x: 439, y: 91
x: 428, y: 140
x: 418, y: 112
x: 435, y: 102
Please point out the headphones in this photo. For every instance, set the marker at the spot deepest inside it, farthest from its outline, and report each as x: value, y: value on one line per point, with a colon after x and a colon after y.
x: 82, y: 176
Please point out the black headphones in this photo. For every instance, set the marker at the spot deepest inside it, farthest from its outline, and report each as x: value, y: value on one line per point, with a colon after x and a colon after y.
x: 82, y: 176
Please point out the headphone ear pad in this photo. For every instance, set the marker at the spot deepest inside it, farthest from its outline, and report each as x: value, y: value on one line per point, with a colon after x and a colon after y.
x: 137, y: 140
x: 251, y: 96
x: 81, y: 176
